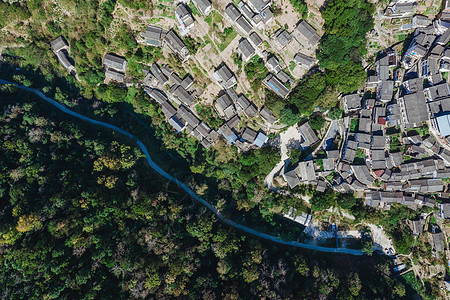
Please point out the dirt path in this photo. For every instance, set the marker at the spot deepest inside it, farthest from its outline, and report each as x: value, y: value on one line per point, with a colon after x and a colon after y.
x: 289, y: 139
x: 380, y: 240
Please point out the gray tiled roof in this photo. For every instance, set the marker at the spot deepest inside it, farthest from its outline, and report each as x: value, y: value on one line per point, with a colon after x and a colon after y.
x: 59, y: 43
x: 308, y: 32
x: 255, y: 39
x: 246, y: 48
x: 283, y: 37
x: 153, y: 35
x: 258, y: 5
x: 275, y: 85
x: 244, y: 25
x: 249, y: 135
x: 181, y: 94
x: 232, y: 12
x: 114, y: 75
x: 203, y: 5
x: 267, y: 115
x: 308, y: 135
x: 304, y: 60
x: 115, y: 62
x: 415, y: 106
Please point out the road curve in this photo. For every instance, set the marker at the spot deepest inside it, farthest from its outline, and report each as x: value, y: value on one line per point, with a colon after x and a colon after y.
x: 166, y: 175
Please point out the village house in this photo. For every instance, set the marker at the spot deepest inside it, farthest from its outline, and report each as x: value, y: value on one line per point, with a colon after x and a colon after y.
x: 304, y: 60
x: 273, y: 65
x: 275, y: 85
x: 243, y: 26
x: 204, y: 6
x: 306, y: 34
x: 228, y: 134
x: 267, y: 115
x: 308, y: 135
x: 114, y: 62
x: 413, y: 109
x: 180, y: 94
x: 153, y: 36
x: 246, y: 48
x: 60, y: 47
x: 255, y: 39
x: 225, y: 107
x: 351, y: 102
x: 225, y: 77
x: 184, y: 18
x: 282, y: 37
x: 177, y: 46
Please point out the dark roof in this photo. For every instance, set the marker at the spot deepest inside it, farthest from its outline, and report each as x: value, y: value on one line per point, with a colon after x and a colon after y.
x: 274, y: 84
x: 115, y: 62
x: 203, y: 5
x: 284, y: 77
x: 176, y: 44
x: 246, y: 48
x: 63, y: 58
x: 351, y: 102
x: 416, y: 109
x: 308, y: 32
x: 251, y: 111
x: 283, y: 37
x: 362, y: 173
x: 156, y: 95
x: 188, y: 116
x: 273, y: 64
x: 59, y: 43
x: 243, y: 102
x: 445, y: 37
x: 158, y: 74
x: 114, y: 75
x: 167, y: 109
x: 184, y: 15
x: 267, y: 115
x: 244, y: 25
x: 232, y: 12
x: 152, y: 35
x: 187, y: 81
x: 308, y: 135
x: 181, y: 94
x: 304, y: 60
x: 255, y: 39
x: 233, y: 95
x: 225, y: 77
x: 249, y: 135
x: 233, y: 121
x: 258, y: 5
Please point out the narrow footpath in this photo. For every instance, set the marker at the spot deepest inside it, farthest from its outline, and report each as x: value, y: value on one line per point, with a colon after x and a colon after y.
x: 166, y: 175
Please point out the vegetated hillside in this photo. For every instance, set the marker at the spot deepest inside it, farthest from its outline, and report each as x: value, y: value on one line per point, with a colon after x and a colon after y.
x: 341, y: 49
x: 83, y: 216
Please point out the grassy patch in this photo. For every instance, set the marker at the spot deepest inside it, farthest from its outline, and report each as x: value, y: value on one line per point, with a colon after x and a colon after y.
x: 194, y: 9
x: 256, y: 71
x: 226, y: 37
x: 395, y: 144
x: 354, y: 124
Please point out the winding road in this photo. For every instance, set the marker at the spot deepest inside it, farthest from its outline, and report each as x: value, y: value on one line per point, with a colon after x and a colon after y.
x: 166, y: 175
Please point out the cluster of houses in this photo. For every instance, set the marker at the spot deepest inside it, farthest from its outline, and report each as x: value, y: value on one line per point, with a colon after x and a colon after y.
x: 247, y: 18
x: 396, y: 109
x: 230, y: 105
x: 306, y: 35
